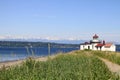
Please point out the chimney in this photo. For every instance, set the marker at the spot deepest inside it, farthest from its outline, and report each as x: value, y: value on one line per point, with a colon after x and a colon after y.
x: 103, y: 42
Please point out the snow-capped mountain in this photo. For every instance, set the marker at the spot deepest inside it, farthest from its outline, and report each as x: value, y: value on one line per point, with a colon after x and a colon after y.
x: 39, y: 39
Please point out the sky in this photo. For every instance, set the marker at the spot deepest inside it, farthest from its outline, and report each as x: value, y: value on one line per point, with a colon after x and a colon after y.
x: 60, y: 19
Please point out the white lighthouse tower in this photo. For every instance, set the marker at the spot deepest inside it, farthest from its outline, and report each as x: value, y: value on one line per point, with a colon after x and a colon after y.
x: 94, y: 42
x: 95, y: 39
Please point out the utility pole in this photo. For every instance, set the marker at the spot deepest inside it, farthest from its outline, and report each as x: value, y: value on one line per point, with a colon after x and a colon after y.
x: 48, y: 49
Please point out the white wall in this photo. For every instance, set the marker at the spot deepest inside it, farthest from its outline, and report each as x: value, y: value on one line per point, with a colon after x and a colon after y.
x: 82, y: 47
x: 112, y: 48
x: 92, y: 47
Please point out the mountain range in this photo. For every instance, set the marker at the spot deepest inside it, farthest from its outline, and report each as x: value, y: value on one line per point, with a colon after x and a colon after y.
x: 46, y: 40
x: 63, y: 41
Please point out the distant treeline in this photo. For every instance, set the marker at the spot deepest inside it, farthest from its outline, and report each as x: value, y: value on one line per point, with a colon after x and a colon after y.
x: 118, y: 46
x: 35, y: 44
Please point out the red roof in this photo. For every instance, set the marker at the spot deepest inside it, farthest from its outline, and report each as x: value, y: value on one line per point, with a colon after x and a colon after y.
x: 108, y: 44
x: 99, y: 45
x: 95, y: 36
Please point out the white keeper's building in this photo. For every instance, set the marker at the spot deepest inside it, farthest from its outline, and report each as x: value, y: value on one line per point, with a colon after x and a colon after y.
x: 96, y: 44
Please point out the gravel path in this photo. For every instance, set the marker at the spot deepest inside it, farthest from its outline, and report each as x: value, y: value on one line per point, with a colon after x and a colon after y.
x: 115, y: 68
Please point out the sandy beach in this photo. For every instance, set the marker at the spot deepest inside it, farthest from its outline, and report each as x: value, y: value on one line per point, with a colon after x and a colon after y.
x: 8, y: 64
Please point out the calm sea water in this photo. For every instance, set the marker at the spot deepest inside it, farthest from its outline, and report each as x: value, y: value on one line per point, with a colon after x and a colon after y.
x: 9, y: 54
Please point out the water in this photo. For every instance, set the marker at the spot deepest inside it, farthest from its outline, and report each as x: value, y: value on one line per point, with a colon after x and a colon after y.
x: 10, y: 54
x: 118, y: 48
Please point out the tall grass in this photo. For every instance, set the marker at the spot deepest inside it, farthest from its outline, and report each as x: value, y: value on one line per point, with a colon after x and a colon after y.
x: 112, y: 56
x: 63, y: 67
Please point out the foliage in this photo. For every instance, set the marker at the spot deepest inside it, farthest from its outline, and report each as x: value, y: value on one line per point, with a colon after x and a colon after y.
x: 112, y: 56
x: 87, y: 49
x: 77, y: 66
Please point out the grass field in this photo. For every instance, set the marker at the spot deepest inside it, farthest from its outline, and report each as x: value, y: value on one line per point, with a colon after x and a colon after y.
x: 112, y: 56
x: 80, y: 65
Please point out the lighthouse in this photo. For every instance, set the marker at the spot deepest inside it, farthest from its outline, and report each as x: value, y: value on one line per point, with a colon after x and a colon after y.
x: 96, y: 44
x: 95, y: 39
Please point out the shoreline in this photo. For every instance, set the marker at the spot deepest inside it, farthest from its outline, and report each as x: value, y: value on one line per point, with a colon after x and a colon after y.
x: 7, y: 64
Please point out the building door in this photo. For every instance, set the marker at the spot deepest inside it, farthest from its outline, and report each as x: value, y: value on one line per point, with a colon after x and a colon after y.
x: 88, y: 47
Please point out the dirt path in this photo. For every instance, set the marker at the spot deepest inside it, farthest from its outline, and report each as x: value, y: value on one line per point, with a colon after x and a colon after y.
x: 115, y: 68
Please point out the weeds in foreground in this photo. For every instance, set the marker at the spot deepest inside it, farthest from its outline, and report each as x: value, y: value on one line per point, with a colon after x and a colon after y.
x: 112, y: 56
x: 62, y: 67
